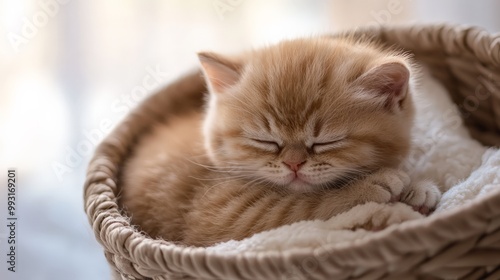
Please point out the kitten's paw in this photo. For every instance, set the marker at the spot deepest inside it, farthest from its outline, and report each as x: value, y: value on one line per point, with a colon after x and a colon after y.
x: 385, y: 185
x: 423, y: 196
x: 384, y: 215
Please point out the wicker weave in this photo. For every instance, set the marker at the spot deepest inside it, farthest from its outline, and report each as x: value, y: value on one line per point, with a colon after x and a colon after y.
x: 462, y: 243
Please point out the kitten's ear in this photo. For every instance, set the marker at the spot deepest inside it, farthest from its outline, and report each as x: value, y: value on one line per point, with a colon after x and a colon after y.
x: 385, y: 84
x: 220, y: 73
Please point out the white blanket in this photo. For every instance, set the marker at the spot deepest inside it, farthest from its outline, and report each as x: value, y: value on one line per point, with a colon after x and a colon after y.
x: 442, y: 151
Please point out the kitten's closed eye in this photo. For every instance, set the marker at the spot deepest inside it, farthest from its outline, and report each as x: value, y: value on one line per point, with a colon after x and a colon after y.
x: 266, y: 145
x: 326, y: 146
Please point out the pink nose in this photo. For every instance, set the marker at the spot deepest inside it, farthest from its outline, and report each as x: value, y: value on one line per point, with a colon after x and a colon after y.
x: 294, y: 165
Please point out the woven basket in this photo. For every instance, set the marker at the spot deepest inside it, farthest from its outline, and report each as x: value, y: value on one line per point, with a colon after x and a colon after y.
x: 459, y: 244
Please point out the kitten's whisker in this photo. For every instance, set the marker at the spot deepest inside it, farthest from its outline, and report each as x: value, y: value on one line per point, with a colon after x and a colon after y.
x: 222, y: 169
x: 220, y: 179
x: 253, y: 182
x: 214, y: 186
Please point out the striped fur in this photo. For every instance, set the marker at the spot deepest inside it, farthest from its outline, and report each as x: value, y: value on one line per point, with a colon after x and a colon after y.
x: 204, y: 179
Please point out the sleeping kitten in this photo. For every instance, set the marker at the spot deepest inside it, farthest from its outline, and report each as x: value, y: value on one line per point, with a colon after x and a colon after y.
x: 303, y: 130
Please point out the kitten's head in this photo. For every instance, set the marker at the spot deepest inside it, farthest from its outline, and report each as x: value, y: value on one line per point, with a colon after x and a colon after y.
x: 308, y: 114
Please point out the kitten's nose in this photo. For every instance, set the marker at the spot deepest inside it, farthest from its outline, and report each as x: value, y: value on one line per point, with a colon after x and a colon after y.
x: 294, y: 165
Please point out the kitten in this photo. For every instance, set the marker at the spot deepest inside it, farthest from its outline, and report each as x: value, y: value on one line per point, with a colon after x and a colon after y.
x: 302, y: 130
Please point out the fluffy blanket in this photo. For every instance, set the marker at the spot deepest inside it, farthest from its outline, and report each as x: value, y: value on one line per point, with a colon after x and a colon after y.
x: 442, y: 151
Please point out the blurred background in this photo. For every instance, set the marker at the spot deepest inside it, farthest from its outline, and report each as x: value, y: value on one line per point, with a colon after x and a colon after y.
x: 71, y: 69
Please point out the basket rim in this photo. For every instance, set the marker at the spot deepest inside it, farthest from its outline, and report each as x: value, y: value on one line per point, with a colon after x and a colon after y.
x: 117, y: 236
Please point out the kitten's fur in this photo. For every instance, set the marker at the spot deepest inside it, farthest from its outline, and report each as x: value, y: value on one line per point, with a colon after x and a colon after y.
x: 290, y: 133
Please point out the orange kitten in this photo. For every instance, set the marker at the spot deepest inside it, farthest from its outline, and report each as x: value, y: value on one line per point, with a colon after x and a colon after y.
x: 302, y: 130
